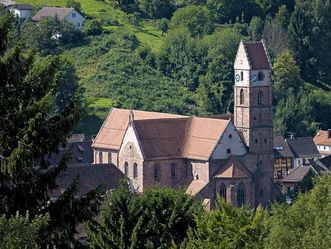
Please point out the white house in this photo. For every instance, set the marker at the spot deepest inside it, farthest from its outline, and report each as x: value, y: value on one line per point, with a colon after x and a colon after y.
x: 323, y: 142
x: 68, y: 14
x: 21, y: 11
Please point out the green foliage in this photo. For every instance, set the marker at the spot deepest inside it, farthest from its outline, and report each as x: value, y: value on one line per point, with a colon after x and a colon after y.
x: 184, y: 57
x: 74, y: 4
x: 286, y: 75
x: 310, y: 29
x: 40, y: 104
x: 282, y: 16
x: 229, y: 10
x: 256, y: 28
x: 306, y: 223
x: 156, y: 8
x: 194, y: 18
x: 230, y: 228
x: 155, y: 219
x: 163, y: 25
x: 92, y: 27
x: 51, y: 36
x: 19, y: 232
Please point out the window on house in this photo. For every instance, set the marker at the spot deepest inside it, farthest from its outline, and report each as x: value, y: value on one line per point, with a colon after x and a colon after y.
x: 265, y: 140
x: 260, y: 76
x: 242, y: 75
x: 241, y: 100
x: 126, y: 168
x: 156, y: 171
x: 228, y: 151
x: 173, y: 170
x: 135, y: 170
x: 256, y: 140
x: 259, y: 98
x: 223, y: 191
x: 100, y: 157
x: 109, y: 157
x: 241, y: 194
x: 73, y: 14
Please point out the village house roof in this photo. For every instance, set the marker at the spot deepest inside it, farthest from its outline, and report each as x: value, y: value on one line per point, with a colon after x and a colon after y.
x: 303, y: 147
x: 323, y: 138
x: 60, y: 13
x: 326, y: 161
x: 297, y: 174
x: 20, y: 6
x: 81, y: 153
x: 195, y: 187
x: 90, y: 177
x: 281, y: 148
x: 256, y: 55
x: 112, y: 132
x: 233, y: 169
x: 7, y: 3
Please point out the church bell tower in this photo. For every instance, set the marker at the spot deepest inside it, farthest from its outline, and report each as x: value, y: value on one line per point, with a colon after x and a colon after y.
x: 253, y: 114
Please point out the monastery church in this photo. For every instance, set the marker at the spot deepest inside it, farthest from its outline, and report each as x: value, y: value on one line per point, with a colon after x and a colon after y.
x: 231, y: 157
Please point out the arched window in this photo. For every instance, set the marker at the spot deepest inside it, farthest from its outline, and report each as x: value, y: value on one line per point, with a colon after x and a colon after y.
x: 241, y: 194
x: 241, y: 75
x: 126, y: 168
x: 100, y: 157
x: 241, y: 101
x: 109, y: 157
x: 223, y: 191
x: 135, y: 170
x: 173, y: 170
x: 156, y: 171
x: 259, y: 98
x: 260, y: 76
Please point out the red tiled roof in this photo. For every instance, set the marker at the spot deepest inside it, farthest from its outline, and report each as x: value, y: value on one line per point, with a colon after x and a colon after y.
x: 192, y: 137
x: 112, y: 132
x: 257, y: 55
x: 322, y: 138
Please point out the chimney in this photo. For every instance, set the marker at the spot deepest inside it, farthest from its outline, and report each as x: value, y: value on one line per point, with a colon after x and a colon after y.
x: 329, y: 133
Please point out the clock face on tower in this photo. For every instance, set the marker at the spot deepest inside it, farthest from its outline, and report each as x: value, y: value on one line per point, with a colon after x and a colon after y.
x: 237, y: 77
x: 254, y: 77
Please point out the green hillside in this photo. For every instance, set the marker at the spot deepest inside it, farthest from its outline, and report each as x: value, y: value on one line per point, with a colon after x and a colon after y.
x: 187, y: 68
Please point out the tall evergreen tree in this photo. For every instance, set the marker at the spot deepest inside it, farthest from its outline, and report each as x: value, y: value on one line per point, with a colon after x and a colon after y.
x: 40, y: 104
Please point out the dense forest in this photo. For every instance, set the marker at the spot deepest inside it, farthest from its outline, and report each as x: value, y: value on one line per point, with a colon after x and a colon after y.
x: 178, y: 57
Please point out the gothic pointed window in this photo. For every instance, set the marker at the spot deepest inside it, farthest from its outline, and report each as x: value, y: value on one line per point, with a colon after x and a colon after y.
x: 100, y: 157
x: 126, y: 168
x: 223, y: 191
x: 135, y: 170
x: 156, y: 172
x: 241, y: 100
x: 241, y: 75
x: 241, y: 194
x: 259, y: 98
x: 173, y: 170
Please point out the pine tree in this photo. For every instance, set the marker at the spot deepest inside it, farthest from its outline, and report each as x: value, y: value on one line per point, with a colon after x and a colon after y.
x: 39, y: 105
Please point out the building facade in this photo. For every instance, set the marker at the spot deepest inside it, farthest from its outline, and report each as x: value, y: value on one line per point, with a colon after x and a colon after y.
x: 323, y: 142
x: 210, y: 156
